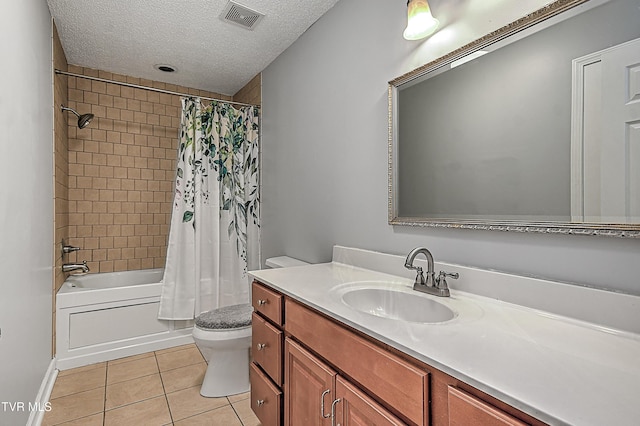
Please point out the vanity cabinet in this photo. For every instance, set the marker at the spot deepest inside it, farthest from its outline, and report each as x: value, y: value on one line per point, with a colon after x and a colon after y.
x: 306, y: 364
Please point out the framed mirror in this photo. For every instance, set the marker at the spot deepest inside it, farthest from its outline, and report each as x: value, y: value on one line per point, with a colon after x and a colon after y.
x: 532, y: 128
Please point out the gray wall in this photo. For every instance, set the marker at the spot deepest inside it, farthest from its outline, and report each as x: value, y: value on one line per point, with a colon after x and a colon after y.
x: 325, y: 160
x: 26, y: 206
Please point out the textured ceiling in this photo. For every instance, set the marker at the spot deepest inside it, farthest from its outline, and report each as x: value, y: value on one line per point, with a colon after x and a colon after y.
x: 131, y: 36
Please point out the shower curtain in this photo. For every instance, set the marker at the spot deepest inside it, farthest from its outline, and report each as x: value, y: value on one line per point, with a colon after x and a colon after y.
x: 214, y: 234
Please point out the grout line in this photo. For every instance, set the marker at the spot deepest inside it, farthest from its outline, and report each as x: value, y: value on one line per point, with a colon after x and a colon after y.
x: 237, y: 415
x: 166, y: 399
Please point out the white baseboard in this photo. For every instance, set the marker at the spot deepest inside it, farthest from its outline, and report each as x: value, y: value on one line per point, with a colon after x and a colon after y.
x: 44, y: 393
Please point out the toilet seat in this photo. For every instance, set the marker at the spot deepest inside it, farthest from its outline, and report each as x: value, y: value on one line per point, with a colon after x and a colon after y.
x: 226, y: 318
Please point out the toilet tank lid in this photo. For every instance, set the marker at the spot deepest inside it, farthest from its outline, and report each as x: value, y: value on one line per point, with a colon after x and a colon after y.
x: 284, y: 262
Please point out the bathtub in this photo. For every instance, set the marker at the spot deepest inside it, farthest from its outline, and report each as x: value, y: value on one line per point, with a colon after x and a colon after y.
x: 100, y: 317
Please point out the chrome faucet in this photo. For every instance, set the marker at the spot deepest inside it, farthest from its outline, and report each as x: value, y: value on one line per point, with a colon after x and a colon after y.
x: 68, y: 249
x: 430, y: 284
x: 70, y: 267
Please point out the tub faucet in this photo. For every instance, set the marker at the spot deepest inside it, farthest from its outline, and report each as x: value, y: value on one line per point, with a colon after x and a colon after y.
x: 70, y: 267
x: 430, y: 284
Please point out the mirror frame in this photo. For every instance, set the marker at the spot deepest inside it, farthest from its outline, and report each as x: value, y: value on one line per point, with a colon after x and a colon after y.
x: 573, y: 228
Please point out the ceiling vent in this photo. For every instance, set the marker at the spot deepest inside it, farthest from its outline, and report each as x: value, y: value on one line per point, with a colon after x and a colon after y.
x: 237, y: 14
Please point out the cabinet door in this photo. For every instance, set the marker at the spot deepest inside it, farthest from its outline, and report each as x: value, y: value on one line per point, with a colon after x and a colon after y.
x: 465, y: 409
x: 309, y: 387
x: 353, y: 407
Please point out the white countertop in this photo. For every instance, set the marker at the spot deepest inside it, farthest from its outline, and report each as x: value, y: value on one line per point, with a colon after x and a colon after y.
x: 557, y: 369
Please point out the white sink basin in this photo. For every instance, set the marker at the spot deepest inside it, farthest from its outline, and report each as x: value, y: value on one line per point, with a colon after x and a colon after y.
x: 397, y: 305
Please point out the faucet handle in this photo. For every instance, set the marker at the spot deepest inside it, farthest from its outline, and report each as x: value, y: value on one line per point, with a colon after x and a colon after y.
x: 441, y: 281
x: 68, y: 249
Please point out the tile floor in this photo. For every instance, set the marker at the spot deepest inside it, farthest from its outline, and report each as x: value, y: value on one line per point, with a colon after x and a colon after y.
x: 155, y: 389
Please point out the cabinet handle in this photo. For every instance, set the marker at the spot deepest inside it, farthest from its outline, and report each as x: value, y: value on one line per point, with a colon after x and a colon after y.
x: 322, y: 414
x: 261, y: 346
x: 260, y: 402
x: 333, y: 412
x: 262, y: 302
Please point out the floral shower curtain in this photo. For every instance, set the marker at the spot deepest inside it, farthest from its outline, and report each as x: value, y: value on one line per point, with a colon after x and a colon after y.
x: 214, y: 234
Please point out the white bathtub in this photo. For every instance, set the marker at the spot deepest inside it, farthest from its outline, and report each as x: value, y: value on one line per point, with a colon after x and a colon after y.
x: 106, y: 316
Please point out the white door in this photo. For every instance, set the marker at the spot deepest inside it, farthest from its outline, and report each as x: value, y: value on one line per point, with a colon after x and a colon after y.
x: 606, y: 136
x: 620, y: 190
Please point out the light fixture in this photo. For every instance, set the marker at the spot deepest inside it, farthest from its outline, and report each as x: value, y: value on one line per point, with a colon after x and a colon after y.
x: 420, y: 22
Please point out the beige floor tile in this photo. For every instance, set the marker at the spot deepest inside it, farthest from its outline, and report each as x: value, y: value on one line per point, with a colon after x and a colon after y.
x: 175, y: 348
x: 183, y: 377
x: 182, y: 358
x: 131, y: 391
x: 75, y: 406
x: 188, y: 402
x: 79, y: 382
x: 95, y: 420
x: 63, y: 373
x: 131, y: 370
x: 223, y: 416
x: 152, y: 412
x: 247, y: 416
x: 130, y: 358
x: 239, y: 397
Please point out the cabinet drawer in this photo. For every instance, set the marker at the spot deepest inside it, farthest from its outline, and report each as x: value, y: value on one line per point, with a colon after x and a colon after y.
x: 466, y: 409
x: 267, y: 302
x: 402, y: 386
x: 266, y: 399
x: 267, y: 347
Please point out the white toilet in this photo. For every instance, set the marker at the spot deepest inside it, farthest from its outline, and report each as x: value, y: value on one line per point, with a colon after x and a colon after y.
x: 223, y: 336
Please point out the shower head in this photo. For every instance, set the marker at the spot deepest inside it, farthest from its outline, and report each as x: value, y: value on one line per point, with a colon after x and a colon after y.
x: 83, y: 120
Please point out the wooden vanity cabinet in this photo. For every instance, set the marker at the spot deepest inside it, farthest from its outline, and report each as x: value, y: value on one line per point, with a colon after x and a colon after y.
x: 307, y: 360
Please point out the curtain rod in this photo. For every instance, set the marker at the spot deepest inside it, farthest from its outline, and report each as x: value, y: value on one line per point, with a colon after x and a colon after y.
x: 152, y: 89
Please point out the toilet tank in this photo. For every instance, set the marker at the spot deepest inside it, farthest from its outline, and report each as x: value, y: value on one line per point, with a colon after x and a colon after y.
x: 284, y: 262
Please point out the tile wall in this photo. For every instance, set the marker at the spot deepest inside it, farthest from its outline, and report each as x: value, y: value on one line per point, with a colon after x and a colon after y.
x: 121, y: 170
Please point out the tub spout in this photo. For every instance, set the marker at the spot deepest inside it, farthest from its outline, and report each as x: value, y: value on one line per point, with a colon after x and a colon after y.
x: 70, y: 267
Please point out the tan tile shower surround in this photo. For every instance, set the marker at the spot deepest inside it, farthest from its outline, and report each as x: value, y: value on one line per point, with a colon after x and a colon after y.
x: 156, y: 388
x: 113, y: 179
x: 121, y: 171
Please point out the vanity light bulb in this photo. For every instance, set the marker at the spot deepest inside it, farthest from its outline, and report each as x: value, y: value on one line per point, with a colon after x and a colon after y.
x: 420, y: 22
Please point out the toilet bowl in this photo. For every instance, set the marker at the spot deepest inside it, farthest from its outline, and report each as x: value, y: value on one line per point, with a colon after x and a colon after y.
x: 223, y: 336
